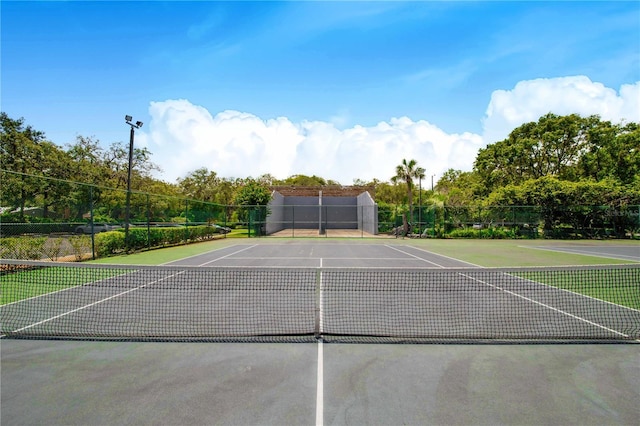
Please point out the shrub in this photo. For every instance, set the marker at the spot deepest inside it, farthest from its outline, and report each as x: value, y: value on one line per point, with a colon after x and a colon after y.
x: 51, y: 248
x: 81, y: 245
x: 489, y: 233
x: 108, y: 243
x: 31, y: 248
x: 9, y: 248
x: 137, y: 238
x: 465, y: 233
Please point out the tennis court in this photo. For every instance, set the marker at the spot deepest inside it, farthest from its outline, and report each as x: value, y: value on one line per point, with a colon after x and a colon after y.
x: 622, y: 252
x: 324, y: 294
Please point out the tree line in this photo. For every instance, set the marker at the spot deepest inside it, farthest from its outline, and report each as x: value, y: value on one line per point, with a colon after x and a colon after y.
x: 566, y: 160
x: 557, y: 160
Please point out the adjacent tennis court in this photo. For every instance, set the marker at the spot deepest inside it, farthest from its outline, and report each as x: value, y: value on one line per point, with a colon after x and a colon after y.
x: 323, y: 293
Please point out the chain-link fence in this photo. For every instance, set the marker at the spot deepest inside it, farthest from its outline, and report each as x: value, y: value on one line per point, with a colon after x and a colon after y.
x: 561, y: 222
x: 64, y: 220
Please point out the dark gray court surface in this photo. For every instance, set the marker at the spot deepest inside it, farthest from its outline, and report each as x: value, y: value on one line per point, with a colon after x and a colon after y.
x: 77, y: 382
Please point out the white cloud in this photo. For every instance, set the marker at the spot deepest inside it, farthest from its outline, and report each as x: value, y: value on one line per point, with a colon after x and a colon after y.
x: 531, y: 99
x: 184, y: 136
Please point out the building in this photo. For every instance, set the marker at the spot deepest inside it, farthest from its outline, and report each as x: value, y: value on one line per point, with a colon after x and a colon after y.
x: 322, y: 209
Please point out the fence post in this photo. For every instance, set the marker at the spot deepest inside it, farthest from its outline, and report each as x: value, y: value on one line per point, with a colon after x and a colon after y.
x: 148, y: 222
x: 93, y: 240
x: 395, y: 220
x: 186, y: 220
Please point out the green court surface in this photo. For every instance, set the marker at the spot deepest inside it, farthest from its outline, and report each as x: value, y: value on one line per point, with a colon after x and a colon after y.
x: 508, y: 253
x: 35, y: 282
x: 486, y: 253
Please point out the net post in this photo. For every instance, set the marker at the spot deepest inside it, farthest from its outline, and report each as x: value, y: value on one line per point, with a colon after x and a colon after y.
x: 317, y: 332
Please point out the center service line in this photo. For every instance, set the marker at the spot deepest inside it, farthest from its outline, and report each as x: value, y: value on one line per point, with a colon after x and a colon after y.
x: 320, y: 388
x: 320, y: 373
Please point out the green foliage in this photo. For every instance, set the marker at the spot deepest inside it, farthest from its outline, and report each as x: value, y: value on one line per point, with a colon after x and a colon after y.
x: 252, y: 193
x: 32, y: 248
x: 161, y: 237
x: 548, y: 165
x: 29, y: 248
x: 569, y: 148
x: 387, y: 217
x: 489, y: 233
x: 389, y: 194
x: 566, y: 204
x: 8, y: 248
x: 406, y: 172
x: 109, y: 243
x: 81, y: 245
x: 113, y: 242
x: 52, y: 248
x: 200, y: 184
x: 461, y: 188
x: 303, y: 180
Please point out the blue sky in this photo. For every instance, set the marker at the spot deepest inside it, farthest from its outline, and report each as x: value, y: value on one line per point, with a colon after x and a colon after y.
x: 247, y: 88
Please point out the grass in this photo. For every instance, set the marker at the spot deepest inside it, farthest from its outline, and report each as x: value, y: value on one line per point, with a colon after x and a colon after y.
x: 596, y: 284
x: 487, y: 253
x: 165, y: 255
x: 29, y: 283
x: 513, y: 253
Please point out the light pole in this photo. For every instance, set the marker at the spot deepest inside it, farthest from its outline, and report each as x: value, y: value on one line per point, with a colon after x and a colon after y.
x: 128, y: 119
x: 420, y: 173
x: 432, y: 182
x: 420, y: 208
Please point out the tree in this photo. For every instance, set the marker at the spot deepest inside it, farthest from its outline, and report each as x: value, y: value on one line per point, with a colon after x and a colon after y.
x: 267, y: 179
x: 569, y: 148
x: 406, y: 172
x: 17, y: 148
x: 201, y: 184
x: 614, y: 151
x: 116, y: 159
x: 460, y: 188
x: 303, y: 180
x: 55, y: 163
x: 252, y: 193
x: 254, y: 196
x: 552, y: 146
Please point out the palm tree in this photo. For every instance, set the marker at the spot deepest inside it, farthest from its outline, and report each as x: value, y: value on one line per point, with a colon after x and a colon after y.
x: 406, y: 172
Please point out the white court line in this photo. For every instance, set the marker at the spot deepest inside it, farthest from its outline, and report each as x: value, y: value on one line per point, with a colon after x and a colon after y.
x: 96, y: 303
x: 320, y: 373
x: 91, y: 304
x: 230, y: 254
x: 446, y: 257
x: 617, y: 305
x: 571, y: 250
x: 528, y: 299
x: 196, y: 255
x: 320, y: 387
x: 326, y: 257
x: 414, y: 256
x: 63, y: 289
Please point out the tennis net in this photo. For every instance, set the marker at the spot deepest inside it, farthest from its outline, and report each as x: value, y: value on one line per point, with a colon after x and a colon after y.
x: 90, y: 301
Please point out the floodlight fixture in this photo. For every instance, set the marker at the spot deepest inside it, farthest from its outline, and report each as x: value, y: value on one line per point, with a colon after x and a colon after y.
x: 137, y: 125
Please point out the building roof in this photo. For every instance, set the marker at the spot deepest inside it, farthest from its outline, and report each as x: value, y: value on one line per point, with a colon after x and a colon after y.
x: 327, y: 191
